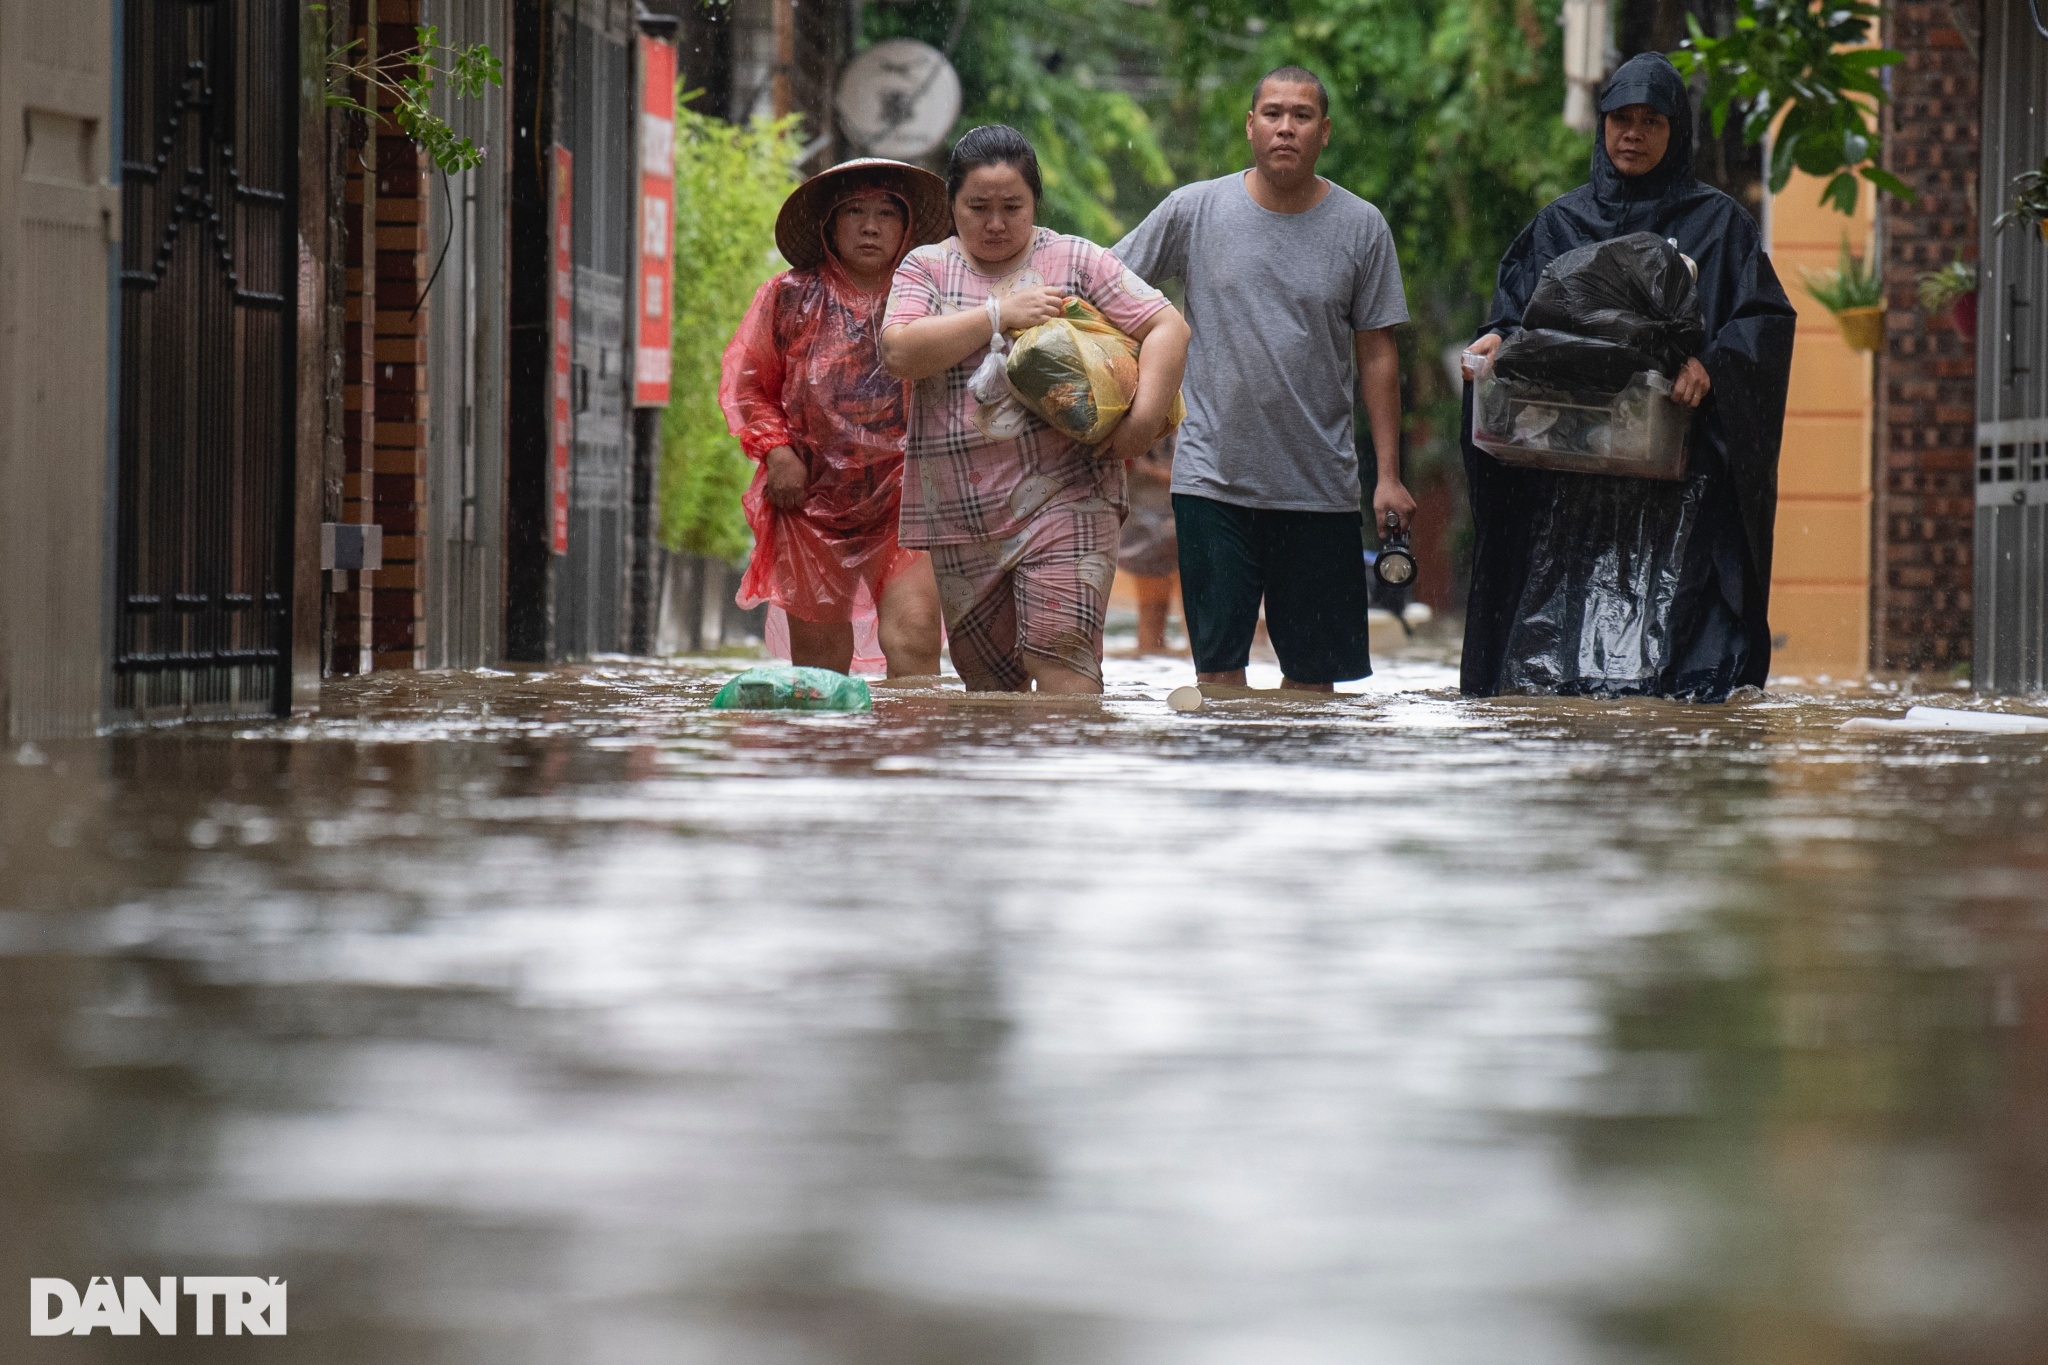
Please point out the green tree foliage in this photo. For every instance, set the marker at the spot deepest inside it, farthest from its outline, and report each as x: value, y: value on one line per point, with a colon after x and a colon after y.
x: 730, y: 182
x: 1061, y: 72
x: 1446, y: 113
x: 2029, y: 191
x: 406, y: 79
x: 1806, y: 71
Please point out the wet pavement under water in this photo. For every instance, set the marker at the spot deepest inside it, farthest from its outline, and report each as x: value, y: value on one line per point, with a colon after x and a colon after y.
x: 555, y: 1018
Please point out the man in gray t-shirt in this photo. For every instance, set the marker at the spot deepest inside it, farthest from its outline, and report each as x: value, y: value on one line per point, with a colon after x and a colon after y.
x: 1293, y: 291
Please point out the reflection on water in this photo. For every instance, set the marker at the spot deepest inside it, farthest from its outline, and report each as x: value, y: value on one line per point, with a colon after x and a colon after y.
x: 551, y: 1018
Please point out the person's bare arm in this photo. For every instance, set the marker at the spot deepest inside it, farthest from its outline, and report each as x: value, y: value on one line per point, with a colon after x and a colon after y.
x: 1162, y: 360
x: 933, y: 345
x: 1379, y: 386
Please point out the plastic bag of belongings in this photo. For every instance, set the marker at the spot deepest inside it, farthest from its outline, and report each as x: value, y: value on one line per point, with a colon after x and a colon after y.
x: 783, y: 687
x: 1585, y: 386
x: 1076, y: 373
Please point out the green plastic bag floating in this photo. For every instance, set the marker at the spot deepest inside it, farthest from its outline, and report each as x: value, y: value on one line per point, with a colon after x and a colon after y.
x: 780, y: 687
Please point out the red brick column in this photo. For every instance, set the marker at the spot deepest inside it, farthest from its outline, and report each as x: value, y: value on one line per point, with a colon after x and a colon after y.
x: 358, y: 357
x: 1927, y: 392
x: 397, y: 635
x: 378, y: 622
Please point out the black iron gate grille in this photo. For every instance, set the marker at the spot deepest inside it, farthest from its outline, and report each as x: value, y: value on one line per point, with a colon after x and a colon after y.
x: 207, y: 181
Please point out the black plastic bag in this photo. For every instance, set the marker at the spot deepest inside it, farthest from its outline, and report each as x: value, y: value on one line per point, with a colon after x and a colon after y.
x: 1566, y: 363
x: 1621, y: 599
x: 1635, y: 291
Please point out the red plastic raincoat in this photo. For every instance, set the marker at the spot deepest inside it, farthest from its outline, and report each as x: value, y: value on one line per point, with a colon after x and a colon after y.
x: 805, y: 370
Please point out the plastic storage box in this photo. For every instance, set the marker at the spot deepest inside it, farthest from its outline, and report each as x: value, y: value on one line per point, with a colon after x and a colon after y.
x: 1639, y: 433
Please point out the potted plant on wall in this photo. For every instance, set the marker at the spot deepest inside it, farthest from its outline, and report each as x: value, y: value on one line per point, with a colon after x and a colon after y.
x: 1855, y: 295
x: 2029, y: 202
x: 1952, y: 292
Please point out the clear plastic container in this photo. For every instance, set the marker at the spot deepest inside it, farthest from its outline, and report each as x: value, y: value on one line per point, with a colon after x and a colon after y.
x: 1639, y: 433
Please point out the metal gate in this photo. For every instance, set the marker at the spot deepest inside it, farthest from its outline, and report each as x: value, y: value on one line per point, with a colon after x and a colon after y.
x: 599, y: 108
x: 464, y: 549
x: 2012, y: 365
x: 208, y: 185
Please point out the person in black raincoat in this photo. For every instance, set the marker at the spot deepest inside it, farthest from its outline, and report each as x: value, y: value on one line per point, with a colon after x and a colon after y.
x: 1595, y: 586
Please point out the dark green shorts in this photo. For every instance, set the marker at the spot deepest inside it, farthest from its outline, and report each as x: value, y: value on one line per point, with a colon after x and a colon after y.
x: 1308, y: 568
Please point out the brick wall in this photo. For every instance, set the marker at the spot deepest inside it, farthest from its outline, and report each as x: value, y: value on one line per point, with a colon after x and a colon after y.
x: 378, y: 621
x: 1926, y: 496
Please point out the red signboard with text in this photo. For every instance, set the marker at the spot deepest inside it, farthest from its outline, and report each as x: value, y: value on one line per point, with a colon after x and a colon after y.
x: 657, y: 231
x: 564, y: 339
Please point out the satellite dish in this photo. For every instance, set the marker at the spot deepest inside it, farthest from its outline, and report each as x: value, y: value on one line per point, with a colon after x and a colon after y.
x: 898, y: 99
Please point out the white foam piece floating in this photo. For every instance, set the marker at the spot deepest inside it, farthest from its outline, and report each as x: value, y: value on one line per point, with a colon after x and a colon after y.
x: 1185, y: 698
x: 1927, y: 719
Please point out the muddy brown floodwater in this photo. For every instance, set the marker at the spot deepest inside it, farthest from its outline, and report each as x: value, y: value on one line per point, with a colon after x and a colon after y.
x: 552, y: 1018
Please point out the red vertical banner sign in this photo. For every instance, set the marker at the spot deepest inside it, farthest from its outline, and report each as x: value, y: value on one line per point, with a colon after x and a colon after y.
x: 657, y: 230
x: 564, y: 338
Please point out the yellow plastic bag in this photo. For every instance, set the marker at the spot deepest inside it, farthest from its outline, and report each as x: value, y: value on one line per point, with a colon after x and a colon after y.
x: 1078, y: 374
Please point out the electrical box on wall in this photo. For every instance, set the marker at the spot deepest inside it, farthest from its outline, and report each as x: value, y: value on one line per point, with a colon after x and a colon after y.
x: 351, y: 545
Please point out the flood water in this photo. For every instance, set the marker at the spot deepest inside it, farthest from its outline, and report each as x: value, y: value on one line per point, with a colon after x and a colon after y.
x: 551, y: 1018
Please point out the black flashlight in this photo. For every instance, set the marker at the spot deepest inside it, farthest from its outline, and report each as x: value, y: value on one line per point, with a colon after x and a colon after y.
x: 1394, y: 565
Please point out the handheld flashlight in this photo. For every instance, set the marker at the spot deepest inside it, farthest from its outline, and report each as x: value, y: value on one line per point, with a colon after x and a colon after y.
x: 1395, y: 565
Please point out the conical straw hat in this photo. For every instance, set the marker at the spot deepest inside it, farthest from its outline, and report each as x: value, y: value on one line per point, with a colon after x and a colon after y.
x: 800, y: 227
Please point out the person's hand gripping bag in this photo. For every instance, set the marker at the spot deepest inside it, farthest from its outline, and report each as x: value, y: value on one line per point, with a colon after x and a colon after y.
x: 1078, y: 374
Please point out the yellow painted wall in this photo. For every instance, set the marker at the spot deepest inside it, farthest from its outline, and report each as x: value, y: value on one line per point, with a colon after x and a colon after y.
x: 1820, y: 582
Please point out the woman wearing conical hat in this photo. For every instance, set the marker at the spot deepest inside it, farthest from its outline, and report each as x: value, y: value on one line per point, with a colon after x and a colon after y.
x: 804, y: 390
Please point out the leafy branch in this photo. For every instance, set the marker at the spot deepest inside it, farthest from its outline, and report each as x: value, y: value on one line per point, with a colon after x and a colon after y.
x: 2029, y: 200
x: 1787, y: 60
x: 408, y: 78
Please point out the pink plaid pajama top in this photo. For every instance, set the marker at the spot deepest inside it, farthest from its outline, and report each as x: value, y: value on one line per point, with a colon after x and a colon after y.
x: 959, y: 487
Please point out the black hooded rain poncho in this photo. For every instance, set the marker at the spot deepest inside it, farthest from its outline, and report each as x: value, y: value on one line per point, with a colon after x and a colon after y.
x: 1595, y: 586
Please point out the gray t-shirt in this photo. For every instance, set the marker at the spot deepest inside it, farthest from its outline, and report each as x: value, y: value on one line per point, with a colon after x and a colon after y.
x: 1274, y: 300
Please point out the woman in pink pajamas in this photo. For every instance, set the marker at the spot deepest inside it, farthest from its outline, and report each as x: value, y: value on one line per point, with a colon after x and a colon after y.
x: 1022, y: 528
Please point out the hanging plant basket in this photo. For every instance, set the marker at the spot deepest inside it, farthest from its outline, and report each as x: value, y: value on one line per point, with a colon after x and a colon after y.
x: 1962, y: 315
x: 1854, y: 293
x: 2022, y: 220
x: 1949, y: 295
x: 1862, y: 328
x: 2029, y: 200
